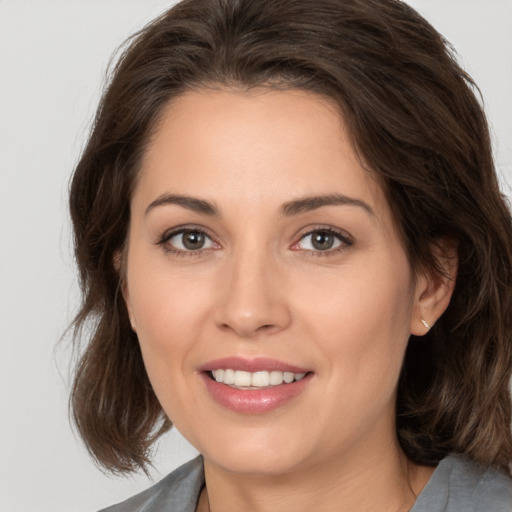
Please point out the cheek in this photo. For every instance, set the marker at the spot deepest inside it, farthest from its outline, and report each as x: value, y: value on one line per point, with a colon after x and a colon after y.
x: 164, y: 297
x: 166, y: 307
x: 361, y: 319
x: 167, y: 313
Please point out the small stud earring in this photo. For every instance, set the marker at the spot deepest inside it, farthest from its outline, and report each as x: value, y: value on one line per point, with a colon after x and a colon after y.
x: 425, y: 323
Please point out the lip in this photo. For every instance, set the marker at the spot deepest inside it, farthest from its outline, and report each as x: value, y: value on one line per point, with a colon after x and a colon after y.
x: 251, y: 365
x: 255, y: 401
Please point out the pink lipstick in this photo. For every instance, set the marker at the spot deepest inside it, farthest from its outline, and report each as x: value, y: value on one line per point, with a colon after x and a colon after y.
x: 253, y: 386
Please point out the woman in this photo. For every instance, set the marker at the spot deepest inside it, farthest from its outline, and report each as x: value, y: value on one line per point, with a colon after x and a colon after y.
x: 293, y: 247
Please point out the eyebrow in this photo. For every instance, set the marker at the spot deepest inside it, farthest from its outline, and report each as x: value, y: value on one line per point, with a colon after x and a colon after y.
x: 310, y: 203
x: 191, y: 203
x: 295, y: 207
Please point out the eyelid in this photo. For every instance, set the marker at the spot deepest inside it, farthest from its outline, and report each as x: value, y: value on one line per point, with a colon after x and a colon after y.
x: 177, y: 230
x: 343, y: 236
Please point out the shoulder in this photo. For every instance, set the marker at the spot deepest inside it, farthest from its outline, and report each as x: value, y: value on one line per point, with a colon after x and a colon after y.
x: 177, y: 492
x: 460, y: 484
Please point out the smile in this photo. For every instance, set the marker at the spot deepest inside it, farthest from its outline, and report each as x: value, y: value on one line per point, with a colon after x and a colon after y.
x: 254, y: 385
x: 240, y: 379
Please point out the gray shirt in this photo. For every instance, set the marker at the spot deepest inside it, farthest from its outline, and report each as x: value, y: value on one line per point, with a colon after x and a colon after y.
x: 457, y: 485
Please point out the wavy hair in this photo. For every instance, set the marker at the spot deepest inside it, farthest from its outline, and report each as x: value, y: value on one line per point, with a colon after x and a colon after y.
x: 415, y: 121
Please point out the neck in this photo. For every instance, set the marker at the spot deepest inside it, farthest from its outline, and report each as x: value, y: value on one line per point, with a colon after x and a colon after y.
x: 375, y: 481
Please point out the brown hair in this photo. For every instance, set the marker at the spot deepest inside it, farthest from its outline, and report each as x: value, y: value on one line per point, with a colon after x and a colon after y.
x: 416, y: 123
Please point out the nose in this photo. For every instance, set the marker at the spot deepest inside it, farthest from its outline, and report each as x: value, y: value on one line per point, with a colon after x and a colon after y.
x: 253, y: 300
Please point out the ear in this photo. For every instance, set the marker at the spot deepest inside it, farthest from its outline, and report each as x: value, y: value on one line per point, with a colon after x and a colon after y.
x: 434, y: 290
x: 120, y: 266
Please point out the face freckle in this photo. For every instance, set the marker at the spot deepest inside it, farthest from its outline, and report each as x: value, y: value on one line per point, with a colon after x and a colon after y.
x: 259, y: 244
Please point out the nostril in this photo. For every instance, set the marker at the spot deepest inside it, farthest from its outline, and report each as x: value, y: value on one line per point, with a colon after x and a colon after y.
x: 248, y: 329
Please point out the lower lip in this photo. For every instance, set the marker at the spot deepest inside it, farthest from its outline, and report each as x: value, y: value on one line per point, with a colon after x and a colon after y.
x: 255, y: 401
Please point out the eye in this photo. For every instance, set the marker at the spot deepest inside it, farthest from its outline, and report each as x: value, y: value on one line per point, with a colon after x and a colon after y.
x: 322, y: 240
x: 188, y: 240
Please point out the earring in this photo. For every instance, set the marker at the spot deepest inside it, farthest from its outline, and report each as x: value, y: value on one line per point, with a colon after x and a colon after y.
x: 425, y: 323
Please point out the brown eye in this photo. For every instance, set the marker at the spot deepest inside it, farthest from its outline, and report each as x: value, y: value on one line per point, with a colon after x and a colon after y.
x: 188, y: 240
x: 322, y: 240
x: 193, y: 240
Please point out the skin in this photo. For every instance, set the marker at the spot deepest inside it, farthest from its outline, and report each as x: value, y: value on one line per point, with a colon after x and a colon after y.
x: 259, y: 287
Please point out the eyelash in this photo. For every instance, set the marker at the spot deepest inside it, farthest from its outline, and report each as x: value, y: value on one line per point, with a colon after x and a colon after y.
x: 343, y: 237
x: 169, y: 249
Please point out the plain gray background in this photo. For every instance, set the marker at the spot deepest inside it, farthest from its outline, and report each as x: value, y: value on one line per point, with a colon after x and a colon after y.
x: 52, y: 59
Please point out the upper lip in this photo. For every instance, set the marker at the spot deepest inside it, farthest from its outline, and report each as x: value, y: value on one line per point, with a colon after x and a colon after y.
x: 251, y: 365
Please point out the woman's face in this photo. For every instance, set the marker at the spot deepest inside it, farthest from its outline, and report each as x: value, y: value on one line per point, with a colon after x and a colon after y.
x: 260, y: 250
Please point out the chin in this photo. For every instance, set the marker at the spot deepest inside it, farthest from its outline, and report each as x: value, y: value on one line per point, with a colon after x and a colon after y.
x: 259, y: 465
x: 256, y: 456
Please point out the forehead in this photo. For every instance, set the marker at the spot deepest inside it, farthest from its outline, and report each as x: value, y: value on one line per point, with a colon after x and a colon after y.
x: 255, y: 146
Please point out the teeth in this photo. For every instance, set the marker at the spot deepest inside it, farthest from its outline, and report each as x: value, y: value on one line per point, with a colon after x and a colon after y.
x: 262, y: 379
x: 229, y: 376
x: 276, y: 378
x: 242, y: 378
x: 288, y: 377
